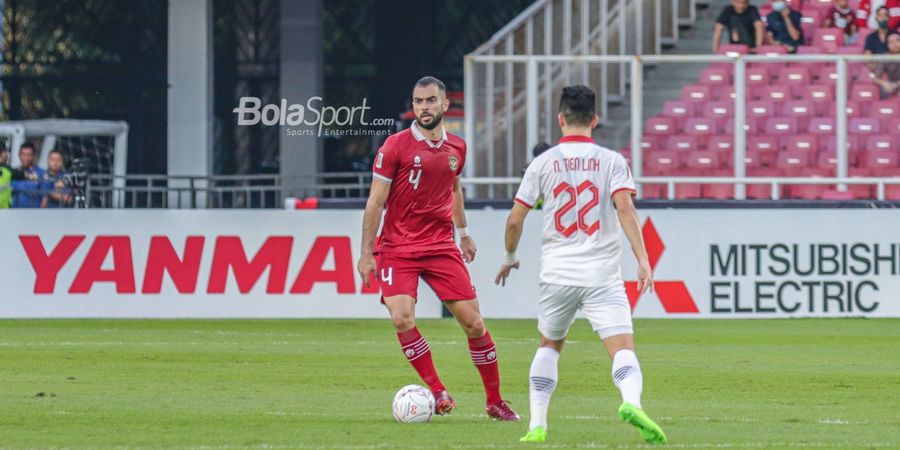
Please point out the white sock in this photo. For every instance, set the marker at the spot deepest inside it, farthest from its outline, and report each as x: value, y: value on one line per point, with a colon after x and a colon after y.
x: 542, y: 380
x: 626, y: 373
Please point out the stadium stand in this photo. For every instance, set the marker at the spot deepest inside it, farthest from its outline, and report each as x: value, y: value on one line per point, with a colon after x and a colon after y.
x: 790, y: 122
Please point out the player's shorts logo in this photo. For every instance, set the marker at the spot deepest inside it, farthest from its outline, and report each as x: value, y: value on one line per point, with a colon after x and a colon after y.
x: 454, y: 163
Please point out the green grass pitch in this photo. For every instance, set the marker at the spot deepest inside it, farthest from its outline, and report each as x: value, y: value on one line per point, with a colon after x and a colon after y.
x: 272, y: 384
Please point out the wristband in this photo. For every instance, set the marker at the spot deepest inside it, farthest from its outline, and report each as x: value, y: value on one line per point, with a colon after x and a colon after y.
x: 510, y: 258
x: 463, y: 232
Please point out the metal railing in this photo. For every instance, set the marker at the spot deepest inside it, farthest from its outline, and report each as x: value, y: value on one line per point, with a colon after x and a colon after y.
x: 523, y: 128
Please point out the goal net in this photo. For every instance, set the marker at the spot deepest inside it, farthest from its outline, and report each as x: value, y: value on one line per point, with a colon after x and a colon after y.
x: 96, y: 149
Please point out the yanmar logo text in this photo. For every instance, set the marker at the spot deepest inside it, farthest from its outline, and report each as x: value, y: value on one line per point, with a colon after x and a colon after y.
x: 183, y: 265
x: 673, y: 295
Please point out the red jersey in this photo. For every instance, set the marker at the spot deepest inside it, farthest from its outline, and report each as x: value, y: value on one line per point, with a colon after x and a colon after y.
x: 421, y: 173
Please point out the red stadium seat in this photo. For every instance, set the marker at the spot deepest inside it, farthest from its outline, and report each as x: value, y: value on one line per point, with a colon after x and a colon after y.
x: 829, y: 38
x: 761, y: 110
x: 861, y: 36
x: 776, y: 93
x: 720, y: 111
x: 861, y: 125
x: 723, y: 144
x: 865, y: 92
x: 790, y: 163
x: 881, y: 162
x: 702, y: 128
x: 703, y: 160
x: 682, y: 145
x: 765, y: 147
x: 713, y: 76
x: 795, y: 77
x: 802, y: 110
x: 882, y: 142
x: 849, y: 51
x: 802, y: 143
x: 821, y: 126
x: 761, y: 191
x: 679, y: 110
x: 661, y: 126
x: 885, y: 109
x: 782, y: 126
x: 758, y: 76
x: 697, y: 93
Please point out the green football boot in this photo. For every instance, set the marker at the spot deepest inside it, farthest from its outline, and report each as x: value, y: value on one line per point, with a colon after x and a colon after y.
x: 651, y: 432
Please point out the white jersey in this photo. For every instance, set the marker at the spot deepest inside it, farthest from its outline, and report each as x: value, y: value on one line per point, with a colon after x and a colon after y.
x: 581, y: 241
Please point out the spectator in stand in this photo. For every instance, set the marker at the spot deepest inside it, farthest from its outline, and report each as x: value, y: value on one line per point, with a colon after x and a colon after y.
x: 866, y: 19
x: 876, y: 43
x: 742, y: 22
x: 783, y: 26
x: 841, y: 16
x: 27, y: 192
x: 53, y: 185
x: 887, y: 75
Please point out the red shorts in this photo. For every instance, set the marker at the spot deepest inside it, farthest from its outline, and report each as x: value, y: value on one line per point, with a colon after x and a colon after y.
x: 445, y: 272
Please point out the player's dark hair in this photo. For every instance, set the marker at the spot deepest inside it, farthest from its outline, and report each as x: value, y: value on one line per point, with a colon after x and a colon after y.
x: 885, y: 8
x: 428, y: 81
x: 576, y: 104
x: 540, y: 148
x: 28, y: 144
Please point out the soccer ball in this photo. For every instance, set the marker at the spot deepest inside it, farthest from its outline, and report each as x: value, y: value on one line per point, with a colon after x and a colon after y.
x: 413, y: 404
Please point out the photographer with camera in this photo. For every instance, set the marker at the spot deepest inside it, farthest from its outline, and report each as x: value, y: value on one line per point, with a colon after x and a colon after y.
x: 56, y: 183
x: 27, y: 191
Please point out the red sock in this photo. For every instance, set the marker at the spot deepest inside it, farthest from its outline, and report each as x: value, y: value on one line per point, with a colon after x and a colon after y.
x: 484, y: 355
x: 419, y: 355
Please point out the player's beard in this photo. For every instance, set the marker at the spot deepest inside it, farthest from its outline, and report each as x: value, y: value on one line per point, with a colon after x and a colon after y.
x: 435, y: 121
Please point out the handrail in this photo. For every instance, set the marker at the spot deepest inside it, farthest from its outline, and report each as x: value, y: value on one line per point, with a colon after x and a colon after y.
x: 510, y: 27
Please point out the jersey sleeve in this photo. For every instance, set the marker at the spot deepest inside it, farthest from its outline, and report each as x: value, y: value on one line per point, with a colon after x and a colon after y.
x: 530, y: 188
x: 462, y: 156
x: 620, y: 179
x: 386, y: 162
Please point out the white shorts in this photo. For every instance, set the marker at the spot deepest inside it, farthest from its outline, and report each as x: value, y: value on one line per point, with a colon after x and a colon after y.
x: 606, y: 308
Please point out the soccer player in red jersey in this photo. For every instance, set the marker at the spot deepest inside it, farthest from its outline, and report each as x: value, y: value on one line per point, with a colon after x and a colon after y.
x: 416, y: 175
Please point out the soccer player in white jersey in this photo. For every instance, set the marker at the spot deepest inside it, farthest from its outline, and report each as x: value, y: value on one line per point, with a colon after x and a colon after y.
x: 587, y: 192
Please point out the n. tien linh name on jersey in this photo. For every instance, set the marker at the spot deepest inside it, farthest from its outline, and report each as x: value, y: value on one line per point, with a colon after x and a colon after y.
x: 421, y: 173
x: 580, y: 243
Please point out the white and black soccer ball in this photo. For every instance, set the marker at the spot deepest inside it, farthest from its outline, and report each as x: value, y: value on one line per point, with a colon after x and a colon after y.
x: 413, y: 404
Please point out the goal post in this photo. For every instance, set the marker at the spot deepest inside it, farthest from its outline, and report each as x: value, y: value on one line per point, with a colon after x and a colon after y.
x: 101, y: 145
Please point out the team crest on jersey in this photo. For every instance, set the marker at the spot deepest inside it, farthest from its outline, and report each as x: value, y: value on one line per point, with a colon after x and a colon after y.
x: 417, y: 161
x: 454, y: 163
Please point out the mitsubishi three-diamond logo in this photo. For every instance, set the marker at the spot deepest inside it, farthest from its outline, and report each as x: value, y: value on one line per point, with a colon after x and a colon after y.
x: 673, y: 295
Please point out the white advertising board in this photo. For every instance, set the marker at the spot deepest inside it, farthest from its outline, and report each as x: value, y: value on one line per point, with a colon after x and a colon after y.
x: 708, y: 263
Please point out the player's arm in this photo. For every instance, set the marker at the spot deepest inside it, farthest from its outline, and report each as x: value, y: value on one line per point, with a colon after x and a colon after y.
x: 466, y: 243
x: 378, y: 195
x: 628, y: 218
x: 514, y: 225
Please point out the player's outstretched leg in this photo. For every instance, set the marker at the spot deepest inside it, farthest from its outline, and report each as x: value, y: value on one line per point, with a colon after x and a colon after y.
x: 626, y: 373
x: 542, y: 381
